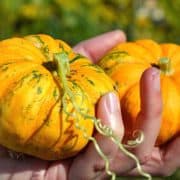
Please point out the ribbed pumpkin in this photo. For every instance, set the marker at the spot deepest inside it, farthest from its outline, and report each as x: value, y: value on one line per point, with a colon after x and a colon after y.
x: 125, y: 64
x: 36, y: 73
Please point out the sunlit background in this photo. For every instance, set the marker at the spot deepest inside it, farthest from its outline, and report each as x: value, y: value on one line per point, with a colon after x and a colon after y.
x: 76, y: 20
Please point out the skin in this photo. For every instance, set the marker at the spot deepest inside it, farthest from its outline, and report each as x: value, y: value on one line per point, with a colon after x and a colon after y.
x: 155, y: 160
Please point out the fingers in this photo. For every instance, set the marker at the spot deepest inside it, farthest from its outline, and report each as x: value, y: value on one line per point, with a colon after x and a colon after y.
x: 164, y: 161
x: 149, y: 121
x: 171, y: 156
x: 30, y: 168
x: 110, y: 114
x: 58, y: 170
x: 152, y: 165
x: 149, y: 118
x: 96, y: 47
x: 108, y: 110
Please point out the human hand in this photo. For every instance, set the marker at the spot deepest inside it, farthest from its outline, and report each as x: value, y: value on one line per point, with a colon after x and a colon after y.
x: 27, y: 167
x: 161, y: 161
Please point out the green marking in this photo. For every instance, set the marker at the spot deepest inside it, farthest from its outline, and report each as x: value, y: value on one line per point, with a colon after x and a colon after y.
x: 43, y: 47
x: 115, y: 86
x: 90, y: 81
x: 21, y: 81
x: 5, y: 68
x: 39, y: 40
x: 39, y: 90
x: 116, y: 55
x: 78, y: 56
x: 36, y: 75
x: 55, y: 93
x: 95, y: 66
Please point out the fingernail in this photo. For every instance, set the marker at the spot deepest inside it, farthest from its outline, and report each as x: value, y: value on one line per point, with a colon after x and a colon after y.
x: 112, y: 103
x: 112, y: 114
x: 156, y: 79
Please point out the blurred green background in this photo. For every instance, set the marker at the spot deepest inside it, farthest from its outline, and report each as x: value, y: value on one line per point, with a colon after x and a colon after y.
x: 76, y: 20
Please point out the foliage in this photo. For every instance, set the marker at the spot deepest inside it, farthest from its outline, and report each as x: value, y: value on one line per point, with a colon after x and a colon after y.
x: 70, y: 20
x: 75, y: 20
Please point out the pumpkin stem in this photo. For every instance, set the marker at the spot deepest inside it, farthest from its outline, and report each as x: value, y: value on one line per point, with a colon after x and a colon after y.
x: 63, y: 69
x: 165, y: 65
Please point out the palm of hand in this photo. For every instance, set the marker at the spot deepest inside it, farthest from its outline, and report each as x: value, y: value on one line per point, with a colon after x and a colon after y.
x: 164, y: 160
x: 27, y: 168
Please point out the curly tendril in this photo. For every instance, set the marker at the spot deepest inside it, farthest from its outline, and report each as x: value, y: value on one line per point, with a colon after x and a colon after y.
x: 63, y: 69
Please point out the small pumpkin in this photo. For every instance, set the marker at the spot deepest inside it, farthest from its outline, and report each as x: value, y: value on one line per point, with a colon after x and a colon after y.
x: 125, y: 64
x: 47, y: 96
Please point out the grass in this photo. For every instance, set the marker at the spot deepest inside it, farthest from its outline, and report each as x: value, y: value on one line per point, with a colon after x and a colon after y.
x: 175, y: 176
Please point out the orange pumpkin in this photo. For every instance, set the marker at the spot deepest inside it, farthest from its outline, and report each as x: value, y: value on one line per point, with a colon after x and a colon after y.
x: 47, y: 96
x: 125, y: 64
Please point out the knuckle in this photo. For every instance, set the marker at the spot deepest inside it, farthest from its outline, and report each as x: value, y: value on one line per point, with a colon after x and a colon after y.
x: 144, y: 158
x: 157, y: 109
